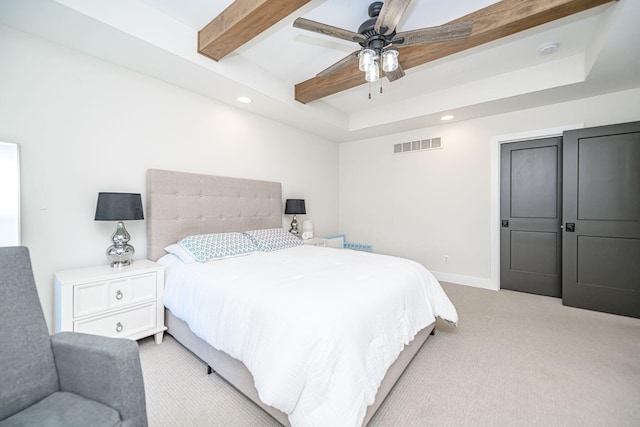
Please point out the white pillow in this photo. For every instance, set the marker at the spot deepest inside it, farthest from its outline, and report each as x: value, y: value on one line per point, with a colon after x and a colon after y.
x: 180, y: 252
x: 272, y: 239
x: 208, y: 247
x: 335, y: 241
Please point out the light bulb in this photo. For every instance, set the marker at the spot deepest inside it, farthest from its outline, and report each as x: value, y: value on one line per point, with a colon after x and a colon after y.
x: 389, y: 60
x: 366, y: 58
x: 372, y: 73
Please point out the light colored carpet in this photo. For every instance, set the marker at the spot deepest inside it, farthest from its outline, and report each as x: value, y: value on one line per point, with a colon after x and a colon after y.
x: 515, y: 360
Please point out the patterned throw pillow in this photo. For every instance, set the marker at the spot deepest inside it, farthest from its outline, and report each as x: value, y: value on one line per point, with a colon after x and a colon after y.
x: 208, y: 247
x: 272, y: 239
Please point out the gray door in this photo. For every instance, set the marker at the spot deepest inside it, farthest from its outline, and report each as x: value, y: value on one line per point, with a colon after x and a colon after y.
x: 530, y: 209
x: 601, y: 247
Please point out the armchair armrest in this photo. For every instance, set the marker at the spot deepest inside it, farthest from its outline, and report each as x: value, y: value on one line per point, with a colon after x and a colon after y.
x: 340, y: 241
x: 103, y: 369
x: 364, y: 247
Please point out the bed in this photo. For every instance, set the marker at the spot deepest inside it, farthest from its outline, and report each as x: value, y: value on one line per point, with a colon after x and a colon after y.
x: 300, y: 391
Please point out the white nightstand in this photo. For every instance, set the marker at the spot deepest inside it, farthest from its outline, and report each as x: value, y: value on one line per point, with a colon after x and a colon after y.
x: 124, y: 302
x: 316, y: 241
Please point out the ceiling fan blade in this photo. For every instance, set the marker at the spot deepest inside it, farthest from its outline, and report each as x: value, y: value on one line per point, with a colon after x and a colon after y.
x: 352, y: 57
x: 328, y: 30
x: 390, y: 15
x: 443, y: 33
x: 398, y: 73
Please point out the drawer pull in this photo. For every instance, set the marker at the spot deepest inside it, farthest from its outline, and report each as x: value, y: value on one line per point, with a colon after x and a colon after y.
x: 119, y: 327
x: 119, y: 294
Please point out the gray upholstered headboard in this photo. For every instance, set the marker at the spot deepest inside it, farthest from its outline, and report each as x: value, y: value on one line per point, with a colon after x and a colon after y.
x: 180, y: 204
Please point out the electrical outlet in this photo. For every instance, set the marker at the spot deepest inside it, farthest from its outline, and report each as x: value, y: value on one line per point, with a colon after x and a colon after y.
x: 446, y: 259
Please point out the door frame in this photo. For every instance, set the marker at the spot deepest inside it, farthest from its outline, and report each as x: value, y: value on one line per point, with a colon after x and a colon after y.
x: 494, y: 215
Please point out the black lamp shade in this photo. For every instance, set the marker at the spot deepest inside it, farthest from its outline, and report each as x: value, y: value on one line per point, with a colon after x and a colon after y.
x: 119, y: 207
x: 294, y: 207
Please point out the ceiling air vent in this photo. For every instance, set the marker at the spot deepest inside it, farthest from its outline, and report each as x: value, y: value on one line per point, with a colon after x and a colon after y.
x: 419, y: 145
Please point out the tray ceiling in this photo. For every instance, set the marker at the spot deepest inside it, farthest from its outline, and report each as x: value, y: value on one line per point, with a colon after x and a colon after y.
x: 498, y: 69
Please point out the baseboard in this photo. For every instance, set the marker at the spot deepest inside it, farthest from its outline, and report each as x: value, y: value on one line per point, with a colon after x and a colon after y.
x: 476, y: 282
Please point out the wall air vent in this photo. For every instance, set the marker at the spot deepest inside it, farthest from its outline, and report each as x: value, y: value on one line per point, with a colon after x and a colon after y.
x: 419, y: 145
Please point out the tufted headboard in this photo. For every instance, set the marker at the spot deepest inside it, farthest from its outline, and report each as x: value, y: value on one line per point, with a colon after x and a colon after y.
x: 180, y: 204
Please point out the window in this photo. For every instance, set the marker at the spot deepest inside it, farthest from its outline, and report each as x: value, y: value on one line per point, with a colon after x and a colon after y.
x: 9, y: 194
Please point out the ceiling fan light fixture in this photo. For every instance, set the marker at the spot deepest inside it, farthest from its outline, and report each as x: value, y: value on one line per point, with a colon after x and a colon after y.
x: 367, y: 57
x: 372, y: 73
x: 389, y: 60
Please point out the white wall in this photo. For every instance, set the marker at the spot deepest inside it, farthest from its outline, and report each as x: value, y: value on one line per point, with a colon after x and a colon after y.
x: 429, y: 204
x: 86, y: 126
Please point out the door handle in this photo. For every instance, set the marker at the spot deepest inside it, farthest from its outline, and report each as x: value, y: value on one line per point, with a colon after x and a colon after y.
x: 570, y: 227
x: 505, y: 223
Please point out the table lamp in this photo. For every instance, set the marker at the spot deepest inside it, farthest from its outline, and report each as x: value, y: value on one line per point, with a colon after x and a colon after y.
x: 294, y: 207
x: 119, y: 207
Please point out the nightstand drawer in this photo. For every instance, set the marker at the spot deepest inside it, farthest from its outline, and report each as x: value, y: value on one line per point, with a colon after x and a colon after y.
x: 120, y: 324
x: 99, y: 296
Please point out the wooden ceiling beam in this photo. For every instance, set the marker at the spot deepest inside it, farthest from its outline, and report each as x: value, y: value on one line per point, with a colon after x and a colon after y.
x: 491, y: 23
x: 241, y: 22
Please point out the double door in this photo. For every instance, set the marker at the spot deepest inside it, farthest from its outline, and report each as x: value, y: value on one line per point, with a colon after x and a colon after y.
x: 570, y: 217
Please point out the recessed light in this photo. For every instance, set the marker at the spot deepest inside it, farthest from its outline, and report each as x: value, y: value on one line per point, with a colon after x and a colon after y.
x: 447, y: 117
x: 548, y: 48
x: 244, y: 100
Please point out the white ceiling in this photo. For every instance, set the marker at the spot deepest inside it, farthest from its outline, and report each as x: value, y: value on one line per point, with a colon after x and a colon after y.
x: 598, y: 53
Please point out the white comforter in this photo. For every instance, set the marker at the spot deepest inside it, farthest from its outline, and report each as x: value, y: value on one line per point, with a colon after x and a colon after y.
x: 317, y: 327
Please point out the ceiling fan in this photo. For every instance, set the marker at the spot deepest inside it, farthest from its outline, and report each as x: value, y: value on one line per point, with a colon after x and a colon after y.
x: 378, y: 39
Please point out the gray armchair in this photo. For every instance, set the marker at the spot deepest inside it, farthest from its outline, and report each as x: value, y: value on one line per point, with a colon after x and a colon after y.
x: 66, y: 379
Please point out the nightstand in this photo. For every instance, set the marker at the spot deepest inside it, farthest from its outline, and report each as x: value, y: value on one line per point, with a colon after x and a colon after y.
x: 315, y: 241
x: 116, y: 302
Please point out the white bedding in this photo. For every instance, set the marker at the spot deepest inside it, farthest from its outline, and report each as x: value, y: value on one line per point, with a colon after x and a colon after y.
x: 317, y: 327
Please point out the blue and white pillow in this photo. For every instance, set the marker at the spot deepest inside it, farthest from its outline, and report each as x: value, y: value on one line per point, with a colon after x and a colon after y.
x: 272, y: 239
x: 208, y: 247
